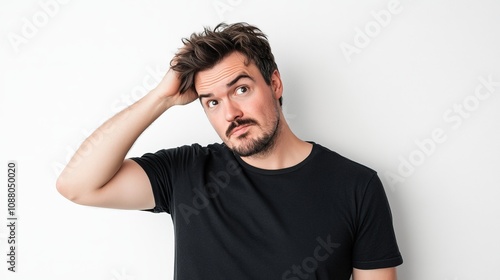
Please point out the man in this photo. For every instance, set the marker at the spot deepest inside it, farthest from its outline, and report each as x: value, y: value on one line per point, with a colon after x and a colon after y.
x: 263, y: 204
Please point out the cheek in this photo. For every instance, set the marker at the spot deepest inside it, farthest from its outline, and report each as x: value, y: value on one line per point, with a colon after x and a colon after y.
x: 268, y: 111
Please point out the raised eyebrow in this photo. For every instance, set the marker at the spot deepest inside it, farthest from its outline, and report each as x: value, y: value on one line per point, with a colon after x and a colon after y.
x: 240, y: 76
x: 207, y: 95
x: 230, y: 84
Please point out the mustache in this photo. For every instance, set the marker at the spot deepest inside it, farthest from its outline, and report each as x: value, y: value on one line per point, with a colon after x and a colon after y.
x: 237, y: 123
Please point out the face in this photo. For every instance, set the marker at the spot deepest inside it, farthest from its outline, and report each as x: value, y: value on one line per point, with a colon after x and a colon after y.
x: 242, y: 108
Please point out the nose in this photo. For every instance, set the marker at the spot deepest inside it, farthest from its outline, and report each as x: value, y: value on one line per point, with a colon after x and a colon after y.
x: 232, y: 111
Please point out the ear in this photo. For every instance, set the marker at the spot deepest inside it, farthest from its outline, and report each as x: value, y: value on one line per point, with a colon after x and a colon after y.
x: 277, y: 84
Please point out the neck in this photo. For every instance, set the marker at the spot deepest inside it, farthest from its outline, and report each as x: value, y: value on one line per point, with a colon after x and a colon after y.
x: 287, y: 151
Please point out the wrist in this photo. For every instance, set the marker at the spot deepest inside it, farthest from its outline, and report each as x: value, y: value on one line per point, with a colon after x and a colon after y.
x: 159, y: 101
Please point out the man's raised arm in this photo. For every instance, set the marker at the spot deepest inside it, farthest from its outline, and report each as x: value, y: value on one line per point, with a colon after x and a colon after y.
x: 98, y: 174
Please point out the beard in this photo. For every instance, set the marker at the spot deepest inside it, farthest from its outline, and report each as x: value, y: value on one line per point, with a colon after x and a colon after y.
x: 252, y: 147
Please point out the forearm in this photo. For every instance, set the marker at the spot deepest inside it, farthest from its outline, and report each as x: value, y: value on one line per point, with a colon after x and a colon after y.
x: 101, y: 155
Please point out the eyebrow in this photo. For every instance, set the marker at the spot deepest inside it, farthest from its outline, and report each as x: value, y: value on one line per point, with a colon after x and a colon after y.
x: 230, y: 84
x: 200, y: 96
x: 240, y: 76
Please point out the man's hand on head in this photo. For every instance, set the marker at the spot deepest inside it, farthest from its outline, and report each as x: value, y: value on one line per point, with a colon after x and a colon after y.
x: 169, y: 88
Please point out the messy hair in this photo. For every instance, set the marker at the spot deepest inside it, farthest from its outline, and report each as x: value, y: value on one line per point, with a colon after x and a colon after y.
x: 203, y: 50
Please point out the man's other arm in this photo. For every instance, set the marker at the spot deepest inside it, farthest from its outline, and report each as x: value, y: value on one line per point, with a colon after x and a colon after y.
x: 374, y: 274
x: 98, y: 174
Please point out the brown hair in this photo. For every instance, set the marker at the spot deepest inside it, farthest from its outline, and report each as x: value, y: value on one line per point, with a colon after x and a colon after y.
x: 203, y: 50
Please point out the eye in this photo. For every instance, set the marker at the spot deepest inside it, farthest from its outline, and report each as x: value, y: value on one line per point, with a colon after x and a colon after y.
x: 212, y: 103
x: 241, y: 90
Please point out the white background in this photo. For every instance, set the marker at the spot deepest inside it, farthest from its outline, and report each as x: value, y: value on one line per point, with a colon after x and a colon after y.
x: 67, y: 66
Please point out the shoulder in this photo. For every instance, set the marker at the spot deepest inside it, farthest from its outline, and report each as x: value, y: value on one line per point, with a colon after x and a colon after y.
x: 341, y: 165
x: 197, y: 149
x: 353, y: 177
x: 186, y: 153
x: 197, y: 152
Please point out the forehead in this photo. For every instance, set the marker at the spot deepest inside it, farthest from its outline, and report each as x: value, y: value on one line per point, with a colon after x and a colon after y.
x: 220, y: 74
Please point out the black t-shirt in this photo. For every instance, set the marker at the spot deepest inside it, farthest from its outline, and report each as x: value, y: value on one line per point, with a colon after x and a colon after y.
x: 315, y: 220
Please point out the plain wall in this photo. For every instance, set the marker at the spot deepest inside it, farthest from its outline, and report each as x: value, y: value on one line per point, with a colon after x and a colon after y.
x: 408, y: 88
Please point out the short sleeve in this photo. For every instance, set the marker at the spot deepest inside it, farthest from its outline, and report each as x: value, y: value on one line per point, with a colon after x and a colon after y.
x: 159, y: 168
x: 375, y: 244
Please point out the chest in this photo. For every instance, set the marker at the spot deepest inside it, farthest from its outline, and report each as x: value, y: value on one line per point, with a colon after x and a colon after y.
x: 276, y: 223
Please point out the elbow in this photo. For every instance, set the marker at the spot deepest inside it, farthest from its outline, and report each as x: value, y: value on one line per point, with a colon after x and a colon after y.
x: 65, y: 189
x: 73, y: 192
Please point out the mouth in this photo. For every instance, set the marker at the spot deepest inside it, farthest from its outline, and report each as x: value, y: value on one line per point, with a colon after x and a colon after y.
x: 238, y: 127
x: 239, y: 130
